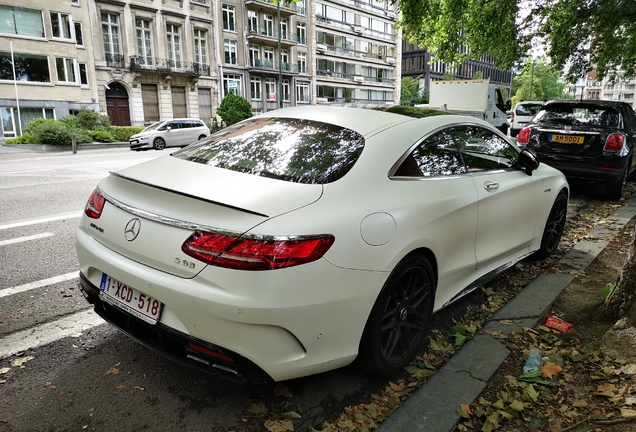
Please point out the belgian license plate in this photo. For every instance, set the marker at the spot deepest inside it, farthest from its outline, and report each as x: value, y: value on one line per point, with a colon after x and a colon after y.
x: 134, y: 141
x: 130, y: 299
x: 566, y: 139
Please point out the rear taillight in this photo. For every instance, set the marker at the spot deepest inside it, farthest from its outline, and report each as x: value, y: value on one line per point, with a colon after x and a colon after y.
x: 614, y: 142
x: 524, y: 136
x: 253, y: 253
x: 95, y: 205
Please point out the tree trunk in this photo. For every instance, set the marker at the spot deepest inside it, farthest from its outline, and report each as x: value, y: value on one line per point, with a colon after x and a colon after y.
x: 619, y: 303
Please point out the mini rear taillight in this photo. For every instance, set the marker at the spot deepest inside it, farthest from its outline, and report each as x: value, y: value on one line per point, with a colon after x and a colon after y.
x: 524, y: 136
x: 614, y: 142
x: 95, y: 205
x: 254, y: 253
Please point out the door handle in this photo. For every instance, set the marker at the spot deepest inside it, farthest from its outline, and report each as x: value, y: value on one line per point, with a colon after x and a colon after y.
x: 491, y: 186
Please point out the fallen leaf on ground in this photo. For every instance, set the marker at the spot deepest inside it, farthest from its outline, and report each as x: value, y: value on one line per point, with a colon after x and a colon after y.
x: 549, y: 369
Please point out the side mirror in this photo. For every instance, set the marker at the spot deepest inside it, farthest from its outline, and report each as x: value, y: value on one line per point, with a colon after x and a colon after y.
x: 528, y: 160
x: 168, y: 128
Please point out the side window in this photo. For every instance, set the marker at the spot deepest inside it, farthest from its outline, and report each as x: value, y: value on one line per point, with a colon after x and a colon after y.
x: 484, y: 150
x: 435, y: 156
x: 173, y: 124
x: 183, y: 124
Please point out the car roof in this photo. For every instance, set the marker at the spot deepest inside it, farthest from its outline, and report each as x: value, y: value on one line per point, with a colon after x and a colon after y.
x: 361, y: 120
x: 598, y: 102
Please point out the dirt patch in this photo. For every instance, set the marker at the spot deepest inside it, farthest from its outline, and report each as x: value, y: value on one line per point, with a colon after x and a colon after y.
x: 591, y: 388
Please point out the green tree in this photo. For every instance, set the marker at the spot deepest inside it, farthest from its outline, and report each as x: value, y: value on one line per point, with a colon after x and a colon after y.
x: 234, y: 108
x: 545, y: 79
x: 579, y: 34
x: 411, y: 94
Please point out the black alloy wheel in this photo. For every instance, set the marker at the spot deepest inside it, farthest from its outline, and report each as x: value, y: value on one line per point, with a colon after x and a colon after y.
x: 400, y: 318
x: 554, y: 227
x: 159, y: 143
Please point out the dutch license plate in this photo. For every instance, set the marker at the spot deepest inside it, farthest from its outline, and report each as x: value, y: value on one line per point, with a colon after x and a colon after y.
x: 567, y: 139
x: 130, y: 299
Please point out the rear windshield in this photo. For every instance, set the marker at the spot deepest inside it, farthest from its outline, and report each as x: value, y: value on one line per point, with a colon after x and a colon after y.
x: 528, y: 109
x: 294, y: 150
x: 581, y: 114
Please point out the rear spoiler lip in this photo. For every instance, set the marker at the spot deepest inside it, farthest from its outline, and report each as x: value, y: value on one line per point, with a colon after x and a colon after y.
x: 118, y: 175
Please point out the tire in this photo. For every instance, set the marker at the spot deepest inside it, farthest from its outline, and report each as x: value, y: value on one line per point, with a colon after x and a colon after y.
x: 615, y: 191
x: 200, y: 137
x: 554, y: 227
x: 400, y: 318
x: 503, y: 128
x: 159, y: 143
x: 514, y: 133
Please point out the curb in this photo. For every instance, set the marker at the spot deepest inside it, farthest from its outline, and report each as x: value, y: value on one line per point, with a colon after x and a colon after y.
x: 433, y: 407
x: 45, y: 148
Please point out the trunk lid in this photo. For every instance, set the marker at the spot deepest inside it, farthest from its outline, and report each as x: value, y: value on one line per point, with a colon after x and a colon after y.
x: 162, y: 202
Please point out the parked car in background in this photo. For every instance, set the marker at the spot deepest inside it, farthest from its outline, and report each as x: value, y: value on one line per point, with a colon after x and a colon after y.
x: 304, y: 238
x: 590, y: 141
x: 522, y: 114
x: 170, y: 133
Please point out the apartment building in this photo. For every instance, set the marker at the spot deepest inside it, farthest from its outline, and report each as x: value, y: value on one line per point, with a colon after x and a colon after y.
x: 140, y: 61
x: 46, y: 61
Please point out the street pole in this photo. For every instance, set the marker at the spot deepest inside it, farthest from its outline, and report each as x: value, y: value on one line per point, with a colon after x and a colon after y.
x: 531, y: 78
x: 280, y: 57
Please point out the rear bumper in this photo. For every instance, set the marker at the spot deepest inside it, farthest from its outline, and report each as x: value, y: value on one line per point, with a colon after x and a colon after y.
x: 598, y: 170
x: 175, y: 345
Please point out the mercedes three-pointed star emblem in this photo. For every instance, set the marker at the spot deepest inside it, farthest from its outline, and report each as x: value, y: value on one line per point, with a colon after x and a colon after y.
x: 132, y: 229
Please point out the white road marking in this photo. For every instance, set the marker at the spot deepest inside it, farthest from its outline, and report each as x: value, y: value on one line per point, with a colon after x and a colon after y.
x: 49, y: 332
x: 42, y: 220
x: 23, y: 239
x: 37, y: 284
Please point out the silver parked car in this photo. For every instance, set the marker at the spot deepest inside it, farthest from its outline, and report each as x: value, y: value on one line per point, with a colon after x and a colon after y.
x: 170, y: 133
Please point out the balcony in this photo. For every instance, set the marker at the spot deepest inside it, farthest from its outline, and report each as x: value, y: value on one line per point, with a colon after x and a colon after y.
x: 286, y: 8
x: 165, y: 66
x: 115, y: 60
x: 270, y: 34
x: 272, y: 66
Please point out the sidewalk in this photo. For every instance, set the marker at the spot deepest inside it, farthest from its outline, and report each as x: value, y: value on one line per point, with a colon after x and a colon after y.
x: 433, y: 407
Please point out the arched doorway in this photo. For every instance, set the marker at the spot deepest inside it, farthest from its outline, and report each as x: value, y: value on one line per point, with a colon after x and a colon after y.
x: 117, y: 104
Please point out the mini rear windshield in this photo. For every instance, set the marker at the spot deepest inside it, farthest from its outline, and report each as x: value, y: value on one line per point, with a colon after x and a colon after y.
x: 295, y: 150
x: 579, y: 114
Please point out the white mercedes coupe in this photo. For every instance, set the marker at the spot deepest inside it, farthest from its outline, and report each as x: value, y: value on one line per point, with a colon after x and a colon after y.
x: 305, y: 238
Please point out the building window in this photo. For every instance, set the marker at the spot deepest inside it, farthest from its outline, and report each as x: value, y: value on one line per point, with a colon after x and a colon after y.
x: 284, y: 59
x: 255, y: 56
x: 144, y: 44
x: 252, y: 22
x: 61, y: 25
x: 75, y: 2
x: 302, y: 63
x: 300, y: 7
x: 12, y: 125
x: 268, y: 57
x: 228, y: 17
x: 230, y: 51
x: 200, y: 47
x: 65, y: 69
x: 28, y: 67
x: 270, y: 89
x: 79, y: 34
x: 285, y: 86
x: 110, y: 35
x: 21, y: 21
x: 302, y: 92
x: 268, y: 28
x: 174, y: 44
x: 283, y: 29
x: 232, y: 83
x: 301, y: 33
x: 83, y: 74
x: 255, y: 88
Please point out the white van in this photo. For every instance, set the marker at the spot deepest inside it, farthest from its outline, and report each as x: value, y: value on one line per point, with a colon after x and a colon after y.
x: 522, y: 114
x: 170, y: 133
